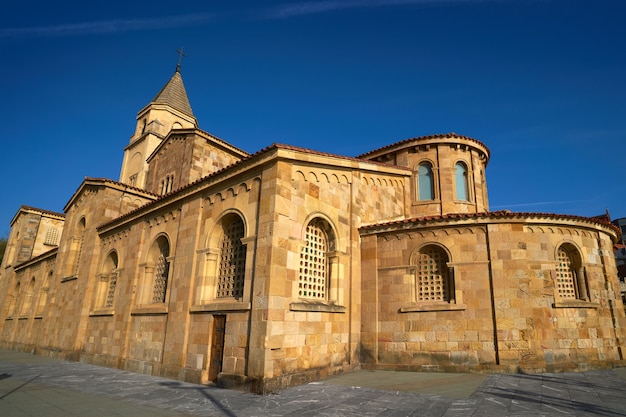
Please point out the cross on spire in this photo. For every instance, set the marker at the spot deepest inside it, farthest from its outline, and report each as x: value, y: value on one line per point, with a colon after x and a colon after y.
x: 180, y: 58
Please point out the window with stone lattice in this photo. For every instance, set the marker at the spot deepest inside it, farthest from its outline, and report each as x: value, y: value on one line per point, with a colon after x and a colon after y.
x: 566, y: 281
x: 232, y: 262
x: 162, y: 267
x: 433, y: 277
x: 313, y: 273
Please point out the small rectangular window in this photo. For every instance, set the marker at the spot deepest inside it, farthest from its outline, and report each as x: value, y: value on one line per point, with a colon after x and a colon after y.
x: 52, y: 237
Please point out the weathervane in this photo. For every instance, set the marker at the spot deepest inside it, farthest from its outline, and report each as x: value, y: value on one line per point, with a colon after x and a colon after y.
x: 180, y: 57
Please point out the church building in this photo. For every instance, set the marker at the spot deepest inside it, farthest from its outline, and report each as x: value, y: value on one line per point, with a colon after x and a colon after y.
x: 205, y: 263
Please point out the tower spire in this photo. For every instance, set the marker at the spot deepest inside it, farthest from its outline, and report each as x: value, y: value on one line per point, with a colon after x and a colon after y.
x: 180, y: 58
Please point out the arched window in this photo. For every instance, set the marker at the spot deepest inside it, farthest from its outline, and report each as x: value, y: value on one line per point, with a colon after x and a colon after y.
x: 460, y: 176
x: 42, y: 299
x: 28, y: 298
x: 314, y: 273
x: 14, y: 300
x: 232, y: 261
x: 570, y: 274
x: 434, y: 279
x: 107, y: 281
x: 76, y: 247
x: 160, y: 253
x: 425, y: 182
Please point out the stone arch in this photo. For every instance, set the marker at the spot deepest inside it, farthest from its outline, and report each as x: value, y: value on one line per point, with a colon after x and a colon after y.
x: 215, y: 234
x: 329, y: 227
x: 243, y: 187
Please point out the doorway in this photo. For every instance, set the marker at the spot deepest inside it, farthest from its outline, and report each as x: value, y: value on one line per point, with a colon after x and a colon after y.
x: 217, y: 346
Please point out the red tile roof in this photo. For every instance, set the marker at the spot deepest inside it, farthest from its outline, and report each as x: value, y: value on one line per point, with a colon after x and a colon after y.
x: 502, y: 214
x: 419, y: 138
x: 265, y: 150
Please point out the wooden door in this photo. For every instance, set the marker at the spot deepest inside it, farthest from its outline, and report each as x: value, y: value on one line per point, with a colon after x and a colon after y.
x: 217, y: 346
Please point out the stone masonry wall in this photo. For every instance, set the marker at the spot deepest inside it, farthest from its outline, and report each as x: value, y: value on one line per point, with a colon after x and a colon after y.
x: 529, y: 328
x: 537, y: 329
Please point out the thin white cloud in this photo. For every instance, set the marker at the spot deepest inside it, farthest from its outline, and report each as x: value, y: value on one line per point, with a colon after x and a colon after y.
x: 316, y: 7
x: 105, y: 27
x: 540, y: 203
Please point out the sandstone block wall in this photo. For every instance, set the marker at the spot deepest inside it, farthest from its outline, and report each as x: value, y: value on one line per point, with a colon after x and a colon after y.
x: 507, y: 313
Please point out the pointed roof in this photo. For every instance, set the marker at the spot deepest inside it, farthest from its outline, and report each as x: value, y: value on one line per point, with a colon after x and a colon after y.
x: 173, y: 94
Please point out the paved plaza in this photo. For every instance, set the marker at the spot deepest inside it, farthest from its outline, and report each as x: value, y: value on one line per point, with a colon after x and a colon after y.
x: 32, y: 385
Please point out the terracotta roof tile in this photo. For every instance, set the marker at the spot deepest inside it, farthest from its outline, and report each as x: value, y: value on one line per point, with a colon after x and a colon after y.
x: 53, y: 213
x: 502, y: 214
x: 240, y: 162
x: 435, y: 136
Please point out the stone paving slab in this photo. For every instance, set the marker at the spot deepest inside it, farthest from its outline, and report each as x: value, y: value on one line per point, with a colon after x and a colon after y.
x: 448, y: 384
x: 38, y: 386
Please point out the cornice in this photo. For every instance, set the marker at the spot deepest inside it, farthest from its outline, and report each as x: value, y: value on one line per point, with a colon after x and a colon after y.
x: 454, y: 219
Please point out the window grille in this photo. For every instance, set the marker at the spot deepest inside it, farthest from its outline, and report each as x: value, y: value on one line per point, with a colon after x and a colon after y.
x: 313, y: 263
x: 432, y: 280
x: 565, y: 277
x: 160, y: 280
x: 111, y: 290
x: 52, y: 237
x: 78, y: 253
x: 232, y: 261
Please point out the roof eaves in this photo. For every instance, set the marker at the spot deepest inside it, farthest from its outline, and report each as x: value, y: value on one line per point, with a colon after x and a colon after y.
x: 36, y: 259
x: 502, y: 214
x: 427, y: 137
x: 42, y: 211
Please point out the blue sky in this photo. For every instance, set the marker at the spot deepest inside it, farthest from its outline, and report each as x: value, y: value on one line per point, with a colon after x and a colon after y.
x: 541, y: 82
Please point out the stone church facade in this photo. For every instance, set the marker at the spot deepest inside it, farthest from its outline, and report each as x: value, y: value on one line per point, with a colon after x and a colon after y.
x: 261, y: 271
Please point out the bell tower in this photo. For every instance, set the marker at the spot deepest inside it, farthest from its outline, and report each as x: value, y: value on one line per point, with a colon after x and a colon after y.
x: 169, y: 110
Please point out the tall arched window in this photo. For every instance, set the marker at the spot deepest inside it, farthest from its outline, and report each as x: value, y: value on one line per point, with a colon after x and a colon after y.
x: 434, y: 280
x: 111, y: 270
x: 42, y: 299
x: 160, y: 253
x: 461, y: 183
x: 28, y: 298
x: 14, y: 300
x: 314, y: 272
x: 425, y: 182
x: 107, y: 281
x: 76, y: 247
x: 232, y: 261
x: 570, y: 274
